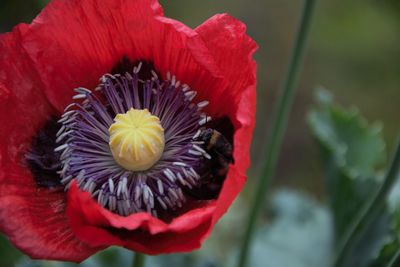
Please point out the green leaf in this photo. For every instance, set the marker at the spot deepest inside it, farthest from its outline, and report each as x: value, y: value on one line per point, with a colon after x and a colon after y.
x: 352, y: 152
x: 356, y: 147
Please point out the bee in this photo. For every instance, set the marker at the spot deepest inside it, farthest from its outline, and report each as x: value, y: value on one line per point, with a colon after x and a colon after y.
x: 215, y: 169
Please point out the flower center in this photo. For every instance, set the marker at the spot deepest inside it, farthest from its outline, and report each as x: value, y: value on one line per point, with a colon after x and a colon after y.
x: 139, y: 144
x: 136, y: 139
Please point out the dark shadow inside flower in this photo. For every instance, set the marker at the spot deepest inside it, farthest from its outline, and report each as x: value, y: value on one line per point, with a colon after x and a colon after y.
x: 126, y: 65
x: 42, y: 160
x: 87, y: 145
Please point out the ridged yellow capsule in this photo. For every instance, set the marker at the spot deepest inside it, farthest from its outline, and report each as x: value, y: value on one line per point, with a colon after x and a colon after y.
x: 136, y: 139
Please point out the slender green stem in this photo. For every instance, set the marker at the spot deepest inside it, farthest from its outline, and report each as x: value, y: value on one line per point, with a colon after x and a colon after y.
x: 369, y: 212
x: 138, y: 260
x: 394, y: 260
x: 281, y: 112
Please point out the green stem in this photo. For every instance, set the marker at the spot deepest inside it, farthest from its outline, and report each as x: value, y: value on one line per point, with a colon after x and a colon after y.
x: 138, y: 260
x: 369, y: 212
x: 394, y: 260
x: 281, y: 112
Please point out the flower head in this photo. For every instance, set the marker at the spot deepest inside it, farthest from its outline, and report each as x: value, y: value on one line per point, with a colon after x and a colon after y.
x: 121, y: 127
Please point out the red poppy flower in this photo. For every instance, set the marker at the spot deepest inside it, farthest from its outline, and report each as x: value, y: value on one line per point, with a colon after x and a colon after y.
x: 70, y: 181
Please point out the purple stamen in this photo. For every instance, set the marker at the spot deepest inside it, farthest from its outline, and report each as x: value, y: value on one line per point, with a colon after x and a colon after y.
x: 86, y: 156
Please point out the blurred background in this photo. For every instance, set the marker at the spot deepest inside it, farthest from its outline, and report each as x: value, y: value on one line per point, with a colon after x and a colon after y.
x: 353, y: 51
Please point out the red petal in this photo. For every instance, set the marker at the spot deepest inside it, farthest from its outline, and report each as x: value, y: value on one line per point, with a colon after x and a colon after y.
x: 233, y: 52
x: 141, y: 232
x: 33, y: 218
x: 73, y: 43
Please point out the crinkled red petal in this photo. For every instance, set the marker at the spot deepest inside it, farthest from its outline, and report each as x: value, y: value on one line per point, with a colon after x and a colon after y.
x: 233, y: 50
x: 73, y: 43
x: 33, y: 218
x: 140, y: 231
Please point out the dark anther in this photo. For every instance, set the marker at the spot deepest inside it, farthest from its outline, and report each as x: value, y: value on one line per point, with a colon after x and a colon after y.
x: 127, y: 65
x: 41, y: 159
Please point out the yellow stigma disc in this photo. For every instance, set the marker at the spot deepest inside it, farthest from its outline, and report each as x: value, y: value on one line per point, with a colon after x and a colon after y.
x: 136, y: 139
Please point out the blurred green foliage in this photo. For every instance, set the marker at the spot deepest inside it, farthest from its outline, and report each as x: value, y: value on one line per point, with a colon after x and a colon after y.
x: 13, y: 12
x: 352, y: 150
x: 300, y: 226
x: 8, y: 255
x: 354, y: 50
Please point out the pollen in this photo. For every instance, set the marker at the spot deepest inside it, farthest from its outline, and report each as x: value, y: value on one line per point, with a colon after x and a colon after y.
x: 136, y: 139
